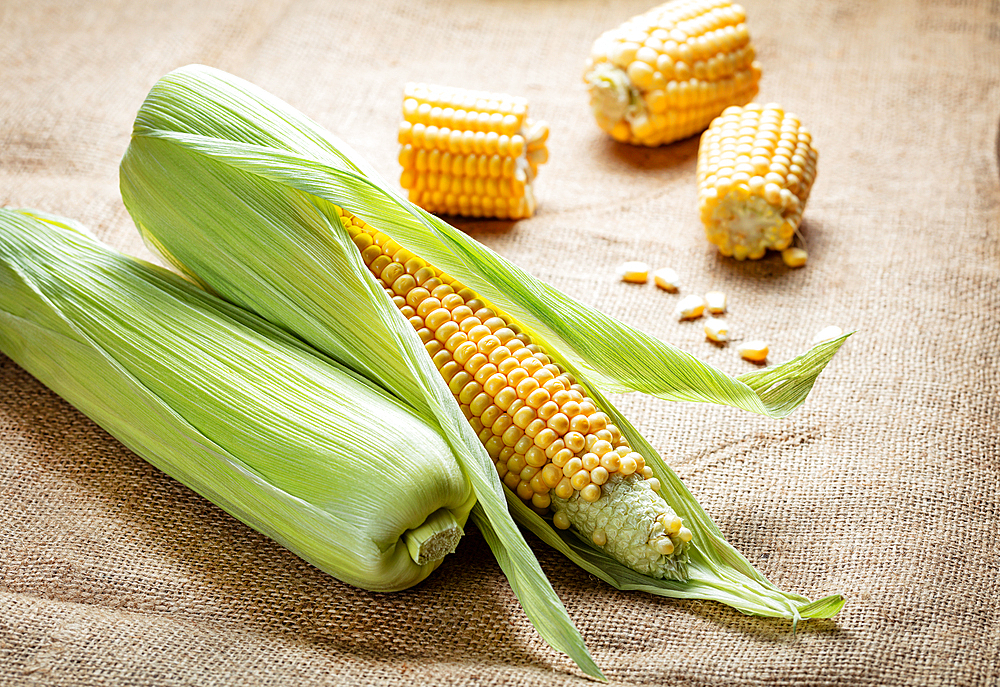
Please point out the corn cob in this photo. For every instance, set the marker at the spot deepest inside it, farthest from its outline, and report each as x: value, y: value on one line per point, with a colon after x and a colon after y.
x: 470, y: 152
x: 550, y: 443
x: 239, y: 411
x: 663, y: 75
x: 756, y: 165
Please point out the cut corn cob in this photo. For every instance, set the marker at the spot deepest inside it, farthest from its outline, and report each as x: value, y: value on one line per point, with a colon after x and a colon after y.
x: 470, y: 152
x: 756, y: 165
x: 550, y: 443
x: 663, y: 75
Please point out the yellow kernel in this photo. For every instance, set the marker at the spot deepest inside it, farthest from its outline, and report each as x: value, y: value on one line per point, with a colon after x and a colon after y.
x: 540, y: 500
x: 560, y: 519
x: 562, y: 457
x: 690, y: 307
x: 573, y: 465
x: 611, y: 462
x: 523, y: 417
x: 580, y: 479
x: 633, y: 272
x: 715, y: 301
x: 590, y: 493
x: 794, y: 257
x: 545, y: 438
x: 754, y: 351
x: 575, y: 441
x: 667, y: 279
x: 599, y: 475
x: 599, y: 537
x: 716, y: 330
x: 564, y: 489
x: 552, y: 475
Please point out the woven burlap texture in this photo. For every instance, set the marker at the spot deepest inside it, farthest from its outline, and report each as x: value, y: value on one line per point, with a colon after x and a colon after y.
x: 883, y: 486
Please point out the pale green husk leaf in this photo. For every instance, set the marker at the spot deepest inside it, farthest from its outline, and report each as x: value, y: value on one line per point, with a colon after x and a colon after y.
x: 269, y: 429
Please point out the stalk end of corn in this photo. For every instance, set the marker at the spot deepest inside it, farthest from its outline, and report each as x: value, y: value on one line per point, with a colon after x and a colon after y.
x: 434, y: 539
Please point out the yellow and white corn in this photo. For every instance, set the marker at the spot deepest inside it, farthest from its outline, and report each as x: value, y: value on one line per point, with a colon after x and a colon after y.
x: 470, y: 152
x: 663, y: 75
x: 756, y: 165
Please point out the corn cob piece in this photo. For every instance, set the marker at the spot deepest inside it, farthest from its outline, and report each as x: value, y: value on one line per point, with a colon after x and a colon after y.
x: 756, y: 165
x: 663, y: 75
x: 470, y: 152
x: 550, y: 443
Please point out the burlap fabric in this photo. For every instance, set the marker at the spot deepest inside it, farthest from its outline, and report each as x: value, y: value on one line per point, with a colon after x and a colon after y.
x: 882, y: 487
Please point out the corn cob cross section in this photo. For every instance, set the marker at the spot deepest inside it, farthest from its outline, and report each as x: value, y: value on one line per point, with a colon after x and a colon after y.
x: 663, y: 75
x: 756, y: 166
x: 470, y: 152
x: 550, y: 443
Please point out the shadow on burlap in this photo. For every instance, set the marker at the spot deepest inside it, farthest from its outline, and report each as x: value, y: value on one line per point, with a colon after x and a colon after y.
x: 883, y: 486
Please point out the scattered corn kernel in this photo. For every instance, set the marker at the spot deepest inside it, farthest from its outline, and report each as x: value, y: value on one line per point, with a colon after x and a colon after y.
x: 634, y: 272
x: 754, y: 351
x: 667, y: 279
x: 826, y: 334
x: 717, y: 330
x: 716, y: 301
x: 690, y: 308
x: 794, y: 257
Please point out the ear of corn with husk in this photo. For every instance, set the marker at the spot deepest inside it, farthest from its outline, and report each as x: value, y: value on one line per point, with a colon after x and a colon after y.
x: 286, y: 440
x: 246, y: 195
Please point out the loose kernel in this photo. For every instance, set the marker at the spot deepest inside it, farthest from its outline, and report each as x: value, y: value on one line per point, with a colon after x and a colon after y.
x: 754, y: 351
x: 716, y: 330
x: 560, y: 519
x: 654, y: 483
x: 667, y: 279
x: 716, y: 302
x: 826, y: 334
x: 690, y: 308
x: 664, y: 546
x: 599, y: 537
x: 685, y: 534
x: 794, y: 257
x: 633, y: 272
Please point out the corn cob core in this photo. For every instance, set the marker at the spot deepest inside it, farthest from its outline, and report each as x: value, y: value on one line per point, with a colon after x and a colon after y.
x: 550, y: 443
x: 756, y: 165
x: 663, y: 75
x: 470, y: 152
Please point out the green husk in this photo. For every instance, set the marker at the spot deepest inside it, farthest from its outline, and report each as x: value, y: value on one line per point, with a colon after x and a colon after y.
x: 239, y: 191
x: 288, y: 441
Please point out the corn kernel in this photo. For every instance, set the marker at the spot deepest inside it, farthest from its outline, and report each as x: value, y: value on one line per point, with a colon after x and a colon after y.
x: 826, y: 334
x: 633, y: 272
x: 690, y: 308
x: 667, y: 279
x: 794, y: 257
x: 716, y: 302
x: 717, y: 330
x: 754, y: 351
